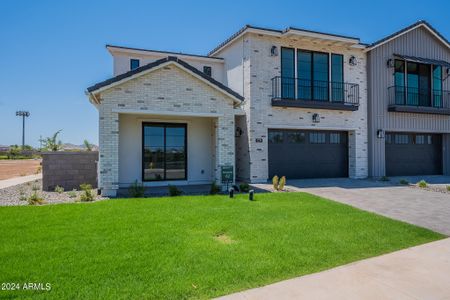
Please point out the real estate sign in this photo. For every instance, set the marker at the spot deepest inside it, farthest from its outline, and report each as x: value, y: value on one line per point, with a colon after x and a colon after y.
x: 227, y: 174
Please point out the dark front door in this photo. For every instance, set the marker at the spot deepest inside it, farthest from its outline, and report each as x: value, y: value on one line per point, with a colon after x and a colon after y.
x: 308, y: 153
x: 413, y: 154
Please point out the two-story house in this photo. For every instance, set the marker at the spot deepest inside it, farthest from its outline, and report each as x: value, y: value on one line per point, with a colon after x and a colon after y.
x: 264, y: 102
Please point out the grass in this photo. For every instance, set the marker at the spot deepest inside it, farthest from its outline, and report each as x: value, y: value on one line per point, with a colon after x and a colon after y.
x: 187, y: 247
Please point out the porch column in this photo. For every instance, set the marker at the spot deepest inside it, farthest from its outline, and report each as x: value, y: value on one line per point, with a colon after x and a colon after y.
x: 108, y: 153
x: 224, y: 146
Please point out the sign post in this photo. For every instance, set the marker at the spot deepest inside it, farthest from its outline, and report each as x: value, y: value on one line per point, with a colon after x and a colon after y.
x: 227, y: 175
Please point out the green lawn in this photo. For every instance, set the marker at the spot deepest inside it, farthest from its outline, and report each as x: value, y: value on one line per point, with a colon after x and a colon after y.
x: 186, y: 247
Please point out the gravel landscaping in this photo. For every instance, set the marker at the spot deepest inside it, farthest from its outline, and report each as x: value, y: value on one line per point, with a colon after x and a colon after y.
x: 19, y: 194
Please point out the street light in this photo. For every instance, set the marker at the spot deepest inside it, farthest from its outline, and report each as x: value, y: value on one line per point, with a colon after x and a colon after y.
x: 23, y: 114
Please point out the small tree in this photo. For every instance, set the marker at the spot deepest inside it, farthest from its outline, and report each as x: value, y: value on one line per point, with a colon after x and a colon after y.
x: 87, y: 145
x: 52, y: 143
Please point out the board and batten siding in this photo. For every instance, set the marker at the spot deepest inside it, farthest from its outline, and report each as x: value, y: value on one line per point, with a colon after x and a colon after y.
x: 420, y: 43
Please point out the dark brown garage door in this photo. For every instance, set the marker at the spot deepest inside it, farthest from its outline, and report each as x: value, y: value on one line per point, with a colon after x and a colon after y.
x: 413, y: 154
x: 308, y: 153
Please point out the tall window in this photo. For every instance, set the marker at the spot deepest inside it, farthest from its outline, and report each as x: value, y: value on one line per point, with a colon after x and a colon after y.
x: 337, y: 77
x: 134, y: 64
x: 164, y: 152
x: 312, y: 70
x: 287, y: 73
x: 399, y: 78
x: 437, y: 86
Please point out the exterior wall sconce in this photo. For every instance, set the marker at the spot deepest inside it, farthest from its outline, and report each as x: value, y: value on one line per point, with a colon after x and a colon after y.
x: 390, y: 63
x: 380, y: 133
x: 238, y: 132
x: 316, y: 118
x: 274, y: 51
x: 352, y: 61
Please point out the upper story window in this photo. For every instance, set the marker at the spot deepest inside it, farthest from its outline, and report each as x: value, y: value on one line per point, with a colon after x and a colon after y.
x: 207, y: 70
x: 134, y: 64
x: 307, y: 75
x: 417, y: 84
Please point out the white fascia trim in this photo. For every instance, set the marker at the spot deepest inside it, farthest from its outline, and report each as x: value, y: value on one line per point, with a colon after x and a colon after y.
x: 161, y: 54
x: 166, y: 113
x: 409, y: 30
x: 341, y: 128
x: 102, y: 89
x: 322, y: 36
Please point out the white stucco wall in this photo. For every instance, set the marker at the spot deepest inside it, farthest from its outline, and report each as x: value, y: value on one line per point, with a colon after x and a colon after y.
x: 199, y: 148
x: 121, y: 62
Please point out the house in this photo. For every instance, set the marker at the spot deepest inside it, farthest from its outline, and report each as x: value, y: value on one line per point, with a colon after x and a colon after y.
x: 409, y: 103
x: 264, y: 102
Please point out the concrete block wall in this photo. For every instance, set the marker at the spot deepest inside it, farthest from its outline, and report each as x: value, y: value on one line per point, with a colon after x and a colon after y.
x: 69, y: 169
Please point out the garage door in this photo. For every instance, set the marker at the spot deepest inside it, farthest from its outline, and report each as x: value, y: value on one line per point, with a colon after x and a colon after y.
x: 413, y: 154
x: 307, y: 153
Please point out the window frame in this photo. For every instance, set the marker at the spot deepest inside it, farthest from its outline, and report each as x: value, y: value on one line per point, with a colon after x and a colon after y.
x: 165, y: 125
x: 134, y: 60
x: 209, y: 73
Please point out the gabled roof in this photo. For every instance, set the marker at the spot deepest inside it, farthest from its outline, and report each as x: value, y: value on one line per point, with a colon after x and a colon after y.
x: 159, y: 63
x: 287, y: 31
x: 405, y: 30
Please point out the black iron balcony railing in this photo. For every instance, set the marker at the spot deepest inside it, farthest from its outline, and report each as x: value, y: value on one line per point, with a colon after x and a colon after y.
x: 408, y: 96
x: 287, y: 91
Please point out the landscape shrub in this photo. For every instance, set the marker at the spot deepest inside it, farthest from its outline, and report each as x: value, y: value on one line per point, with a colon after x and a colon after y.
x: 448, y: 188
x: 282, y: 183
x: 35, y: 199
x: 136, y: 190
x: 244, y: 187
x: 59, y: 189
x: 87, y: 195
x: 384, y: 178
x: 174, y: 191
x: 275, y: 181
x: 403, y: 181
x: 72, y: 193
x: 423, y: 184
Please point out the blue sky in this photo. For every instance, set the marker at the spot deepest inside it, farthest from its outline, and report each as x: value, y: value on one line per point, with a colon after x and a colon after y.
x: 52, y: 50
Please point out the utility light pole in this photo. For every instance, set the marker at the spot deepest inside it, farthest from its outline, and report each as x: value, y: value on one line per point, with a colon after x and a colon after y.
x: 23, y: 114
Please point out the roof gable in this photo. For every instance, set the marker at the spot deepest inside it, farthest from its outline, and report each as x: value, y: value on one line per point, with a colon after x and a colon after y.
x: 101, y: 86
x: 419, y: 24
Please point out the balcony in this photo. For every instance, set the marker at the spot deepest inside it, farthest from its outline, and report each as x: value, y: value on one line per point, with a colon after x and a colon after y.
x: 295, y: 92
x: 414, y: 100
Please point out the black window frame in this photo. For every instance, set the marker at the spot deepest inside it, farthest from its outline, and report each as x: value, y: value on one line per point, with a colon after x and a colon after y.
x: 165, y: 125
x: 207, y: 70
x: 134, y: 60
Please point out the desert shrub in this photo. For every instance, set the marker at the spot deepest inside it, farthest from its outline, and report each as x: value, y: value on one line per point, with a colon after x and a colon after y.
x: 87, y: 145
x: 136, y: 190
x: 384, y: 178
x: 35, y: 187
x: 448, y: 188
x: 423, y: 184
x: 214, y: 189
x: 174, y: 191
x: 38, y: 170
x: 87, y: 195
x: 35, y: 199
x: 275, y: 182
x: 404, y: 181
x: 59, y: 189
x: 72, y: 193
x: 244, y: 187
x: 282, y: 183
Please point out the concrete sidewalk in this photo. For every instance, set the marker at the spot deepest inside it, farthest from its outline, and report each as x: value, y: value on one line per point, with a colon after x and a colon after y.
x: 421, y: 272
x: 18, y: 180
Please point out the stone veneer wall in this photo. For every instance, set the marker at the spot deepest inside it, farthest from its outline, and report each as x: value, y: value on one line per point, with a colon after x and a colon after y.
x: 69, y: 169
x: 167, y: 89
x: 259, y: 68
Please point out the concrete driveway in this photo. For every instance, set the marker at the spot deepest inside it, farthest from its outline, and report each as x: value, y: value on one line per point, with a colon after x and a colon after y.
x: 424, y: 208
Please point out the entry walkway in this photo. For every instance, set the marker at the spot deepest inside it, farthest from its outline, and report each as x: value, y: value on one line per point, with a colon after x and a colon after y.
x: 420, y: 272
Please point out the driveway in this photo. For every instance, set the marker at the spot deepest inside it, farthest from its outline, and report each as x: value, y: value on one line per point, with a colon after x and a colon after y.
x: 424, y: 208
